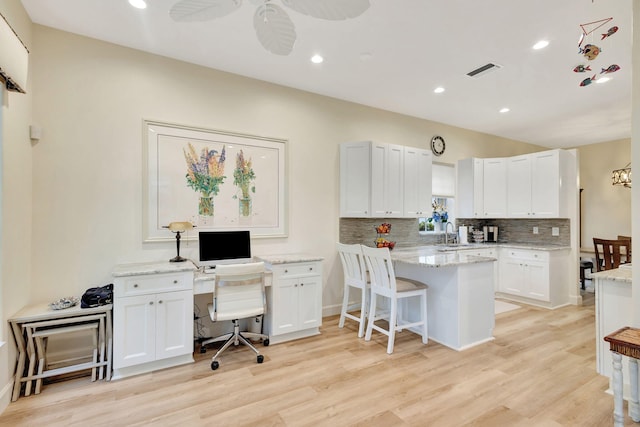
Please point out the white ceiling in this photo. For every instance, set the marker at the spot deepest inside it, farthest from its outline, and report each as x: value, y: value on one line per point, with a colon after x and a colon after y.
x: 398, y: 51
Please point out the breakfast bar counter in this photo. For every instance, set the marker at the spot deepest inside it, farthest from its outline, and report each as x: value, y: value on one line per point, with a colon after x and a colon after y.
x: 460, y: 299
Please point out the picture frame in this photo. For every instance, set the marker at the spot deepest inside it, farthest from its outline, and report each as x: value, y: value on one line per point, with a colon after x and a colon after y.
x: 217, y: 180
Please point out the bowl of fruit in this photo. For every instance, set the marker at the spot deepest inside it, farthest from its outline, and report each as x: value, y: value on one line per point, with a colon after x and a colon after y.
x: 383, y: 228
x: 381, y: 242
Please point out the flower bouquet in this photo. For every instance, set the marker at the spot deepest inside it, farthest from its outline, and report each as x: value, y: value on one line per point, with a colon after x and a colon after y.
x: 205, y: 174
x: 244, y: 178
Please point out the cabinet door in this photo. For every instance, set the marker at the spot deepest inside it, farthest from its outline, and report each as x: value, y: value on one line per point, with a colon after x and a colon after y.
x: 309, y: 302
x: 174, y: 324
x: 417, y: 182
x: 545, y: 184
x: 469, y: 191
x: 394, y: 180
x: 134, y: 320
x: 478, y: 188
x: 495, y: 188
x: 519, y: 186
x: 387, y: 180
x: 355, y: 175
x: 512, y: 277
x: 285, y: 305
x: 537, y: 280
x: 378, y: 180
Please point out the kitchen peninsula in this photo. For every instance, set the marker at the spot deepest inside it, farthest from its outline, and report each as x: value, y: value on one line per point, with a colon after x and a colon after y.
x: 460, y: 302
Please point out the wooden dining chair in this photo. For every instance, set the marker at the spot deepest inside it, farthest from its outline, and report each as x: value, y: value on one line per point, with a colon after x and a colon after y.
x: 609, y: 253
x: 620, y: 237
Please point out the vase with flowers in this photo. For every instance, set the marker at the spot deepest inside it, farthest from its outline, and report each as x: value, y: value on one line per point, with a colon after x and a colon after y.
x: 439, y: 216
x: 244, y: 178
x: 205, y: 174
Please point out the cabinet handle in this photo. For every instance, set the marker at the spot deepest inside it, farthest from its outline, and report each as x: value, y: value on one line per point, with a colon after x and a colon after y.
x: 150, y: 302
x: 160, y: 302
x: 310, y: 268
x: 175, y: 282
x: 301, y: 284
x: 135, y: 285
x: 286, y: 271
x: 295, y: 286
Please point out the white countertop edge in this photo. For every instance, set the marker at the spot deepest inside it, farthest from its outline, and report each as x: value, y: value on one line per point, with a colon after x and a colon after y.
x: 615, y: 275
x: 141, y: 268
x: 288, y: 258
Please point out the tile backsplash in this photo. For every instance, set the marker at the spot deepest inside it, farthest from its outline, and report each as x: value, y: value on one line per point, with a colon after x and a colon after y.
x: 404, y: 231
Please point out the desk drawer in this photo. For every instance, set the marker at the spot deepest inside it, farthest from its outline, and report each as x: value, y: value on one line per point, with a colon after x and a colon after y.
x: 296, y: 270
x: 151, y: 283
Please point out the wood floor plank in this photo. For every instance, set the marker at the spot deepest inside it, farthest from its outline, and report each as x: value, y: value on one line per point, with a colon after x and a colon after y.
x: 539, y: 371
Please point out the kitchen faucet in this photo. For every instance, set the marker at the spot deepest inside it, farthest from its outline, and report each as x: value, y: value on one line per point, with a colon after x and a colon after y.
x: 446, y: 233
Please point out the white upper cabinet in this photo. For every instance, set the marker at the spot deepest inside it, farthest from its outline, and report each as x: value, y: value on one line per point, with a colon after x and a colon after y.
x: 355, y: 179
x: 519, y: 186
x: 495, y: 188
x: 547, y: 184
x: 470, y: 191
x: 372, y: 180
x: 387, y: 180
x: 536, y: 185
x: 417, y: 182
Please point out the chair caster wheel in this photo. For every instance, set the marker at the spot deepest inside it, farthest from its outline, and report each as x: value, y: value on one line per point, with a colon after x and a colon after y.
x: 214, y: 365
x: 203, y: 349
x: 266, y: 342
x: 260, y: 358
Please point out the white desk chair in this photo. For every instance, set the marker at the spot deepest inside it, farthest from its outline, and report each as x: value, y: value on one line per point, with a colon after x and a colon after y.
x: 355, y: 276
x: 238, y: 293
x: 384, y: 283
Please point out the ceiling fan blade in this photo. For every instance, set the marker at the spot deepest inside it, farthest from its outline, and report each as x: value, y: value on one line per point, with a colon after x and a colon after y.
x: 333, y: 10
x: 202, y: 10
x: 274, y: 29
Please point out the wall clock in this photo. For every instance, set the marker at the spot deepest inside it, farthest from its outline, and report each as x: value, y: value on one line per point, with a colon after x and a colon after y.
x: 437, y: 145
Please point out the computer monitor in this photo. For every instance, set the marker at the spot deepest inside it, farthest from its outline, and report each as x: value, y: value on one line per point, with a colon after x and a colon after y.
x: 223, y: 247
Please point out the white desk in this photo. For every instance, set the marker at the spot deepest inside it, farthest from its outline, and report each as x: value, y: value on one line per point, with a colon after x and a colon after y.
x: 203, y: 282
x: 160, y: 296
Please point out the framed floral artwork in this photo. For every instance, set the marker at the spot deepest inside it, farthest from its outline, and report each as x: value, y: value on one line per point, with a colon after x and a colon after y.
x: 217, y: 180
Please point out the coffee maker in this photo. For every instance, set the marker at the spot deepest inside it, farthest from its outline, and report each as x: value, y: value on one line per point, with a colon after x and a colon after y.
x: 490, y: 233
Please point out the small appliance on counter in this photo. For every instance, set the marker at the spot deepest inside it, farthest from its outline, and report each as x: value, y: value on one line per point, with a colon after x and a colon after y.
x: 462, y: 235
x: 490, y: 233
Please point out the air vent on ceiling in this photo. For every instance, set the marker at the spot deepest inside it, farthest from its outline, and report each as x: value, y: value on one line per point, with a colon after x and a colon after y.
x: 481, y: 71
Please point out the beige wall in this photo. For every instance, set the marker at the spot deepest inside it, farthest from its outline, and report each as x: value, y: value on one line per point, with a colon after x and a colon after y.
x: 606, y: 209
x: 91, y: 98
x: 16, y: 208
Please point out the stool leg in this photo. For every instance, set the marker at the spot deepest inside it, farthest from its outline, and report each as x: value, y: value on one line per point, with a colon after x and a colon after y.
x: 616, y: 378
x: 634, y: 405
x: 40, y: 351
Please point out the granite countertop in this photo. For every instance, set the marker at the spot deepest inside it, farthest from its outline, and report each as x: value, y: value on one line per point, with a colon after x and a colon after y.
x: 287, y: 258
x: 430, y: 256
x: 470, y: 246
x: 622, y: 274
x: 123, y: 270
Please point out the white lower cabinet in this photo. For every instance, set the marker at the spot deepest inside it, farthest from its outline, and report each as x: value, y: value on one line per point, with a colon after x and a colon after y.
x: 296, y: 301
x: 152, y: 322
x: 534, y: 275
x: 489, y: 253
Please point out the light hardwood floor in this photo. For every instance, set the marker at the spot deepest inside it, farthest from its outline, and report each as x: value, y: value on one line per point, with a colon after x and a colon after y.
x: 539, y: 371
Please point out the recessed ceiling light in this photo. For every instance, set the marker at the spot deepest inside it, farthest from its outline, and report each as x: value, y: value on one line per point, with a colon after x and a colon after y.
x: 438, y: 90
x: 603, y: 79
x: 541, y: 44
x: 504, y: 110
x: 139, y: 4
x: 317, y: 59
